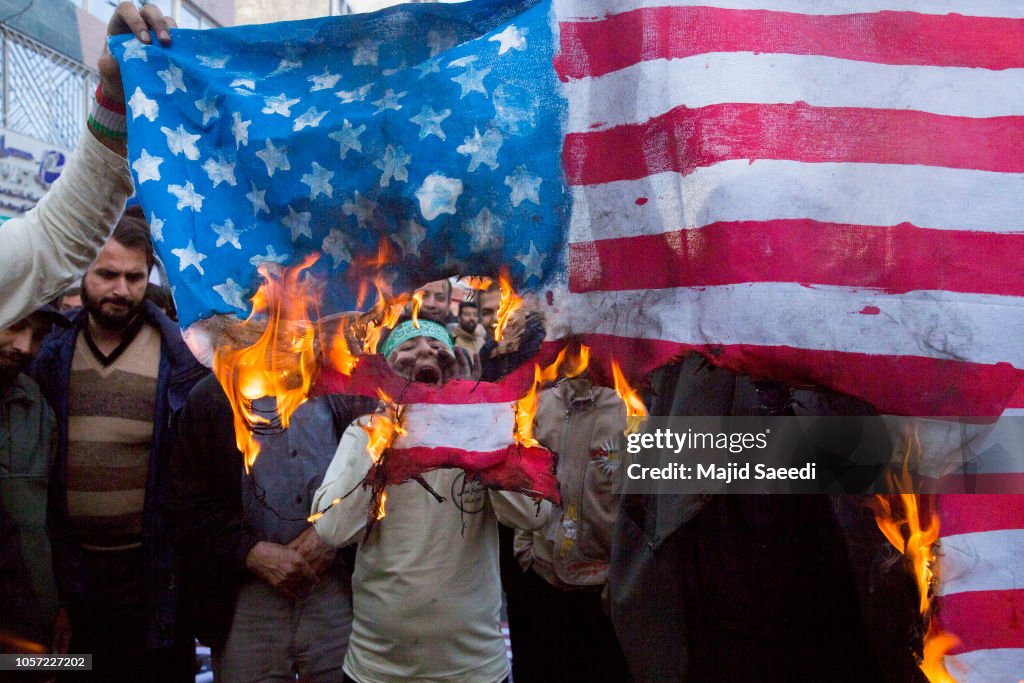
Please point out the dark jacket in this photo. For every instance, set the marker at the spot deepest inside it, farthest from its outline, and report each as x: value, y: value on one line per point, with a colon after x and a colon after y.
x: 756, y: 587
x: 27, y: 446
x: 214, y: 528
x: 179, y: 371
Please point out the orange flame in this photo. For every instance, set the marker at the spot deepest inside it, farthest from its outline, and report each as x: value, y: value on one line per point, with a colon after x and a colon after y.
x: 636, y: 412
x: 282, y: 363
x: 417, y: 302
x: 382, y: 429
x: 526, y: 407
x: 510, y: 303
x: 914, y: 534
x: 477, y: 282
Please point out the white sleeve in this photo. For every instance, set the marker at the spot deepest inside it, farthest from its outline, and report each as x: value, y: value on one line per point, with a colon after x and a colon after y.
x: 343, y: 522
x: 520, y: 512
x: 48, y: 249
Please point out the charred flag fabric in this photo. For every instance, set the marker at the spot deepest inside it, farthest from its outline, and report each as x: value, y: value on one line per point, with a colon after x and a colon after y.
x: 828, y: 194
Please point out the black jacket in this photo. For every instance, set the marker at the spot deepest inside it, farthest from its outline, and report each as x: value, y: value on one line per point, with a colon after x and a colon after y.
x: 178, y: 373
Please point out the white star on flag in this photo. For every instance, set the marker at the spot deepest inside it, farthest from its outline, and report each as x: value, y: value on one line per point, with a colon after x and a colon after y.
x: 147, y: 167
x: 232, y: 293
x: 187, y: 196
x: 143, y: 106
x: 511, y: 38
x: 484, y: 231
x: 180, y: 141
x: 298, y: 223
x: 325, y: 81
x: 208, y: 107
x: 348, y: 137
x: 430, y: 66
x: 357, y: 95
x: 410, y: 237
x: 256, y: 198
x: 311, y: 119
x: 364, y: 52
x: 512, y: 108
x: 156, y: 226
x: 336, y: 244
x: 391, y: 72
x: 472, y: 80
x: 189, y: 257
x: 429, y: 121
x: 438, y: 195
x: 274, y: 157
x: 172, y: 78
x: 212, y: 62
x: 240, y: 130
x: 243, y: 83
x: 279, y: 104
x: 270, y: 257
x: 524, y: 186
x: 393, y: 165
x: 482, y: 149
x: 318, y: 181
x: 226, y: 234
x: 284, y: 66
x: 220, y: 171
x: 388, y: 101
x: 362, y: 208
x: 135, y: 49
x: 531, y: 262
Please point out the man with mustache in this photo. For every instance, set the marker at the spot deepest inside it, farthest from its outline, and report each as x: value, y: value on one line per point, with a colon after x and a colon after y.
x: 113, y: 379
x: 28, y: 591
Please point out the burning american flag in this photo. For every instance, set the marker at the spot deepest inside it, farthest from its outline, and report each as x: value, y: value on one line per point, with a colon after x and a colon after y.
x: 832, y: 198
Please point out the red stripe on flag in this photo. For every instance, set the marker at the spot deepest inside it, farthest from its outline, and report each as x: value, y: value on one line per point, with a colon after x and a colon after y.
x: 894, y: 259
x: 976, y: 484
x: 984, y: 620
x: 968, y: 514
x: 899, y: 385
x: 372, y: 372
x: 594, y: 48
x: 526, y: 470
x: 685, y: 139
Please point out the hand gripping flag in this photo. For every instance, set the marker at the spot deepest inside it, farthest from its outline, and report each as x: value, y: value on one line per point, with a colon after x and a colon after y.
x: 827, y: 194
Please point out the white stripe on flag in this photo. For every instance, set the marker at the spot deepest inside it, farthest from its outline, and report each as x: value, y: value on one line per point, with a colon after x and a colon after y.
x: 481, y: 427
x: 931, y: 324
x: 738, y: 190
x: 1005, y: 665
x: 566, y: 10
x: 982, y: 561
x: 730, y: 77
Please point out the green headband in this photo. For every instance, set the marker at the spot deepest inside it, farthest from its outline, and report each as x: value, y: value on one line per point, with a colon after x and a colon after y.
x: 408, y: 330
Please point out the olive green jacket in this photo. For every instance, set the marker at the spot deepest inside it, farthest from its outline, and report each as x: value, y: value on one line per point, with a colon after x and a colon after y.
x: 27, y: 448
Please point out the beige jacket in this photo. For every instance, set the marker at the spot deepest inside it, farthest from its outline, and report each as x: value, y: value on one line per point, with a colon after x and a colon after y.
x: 471, y: 342
x: 585, y: 430
x: 47, y: 249
x: 426, y: 589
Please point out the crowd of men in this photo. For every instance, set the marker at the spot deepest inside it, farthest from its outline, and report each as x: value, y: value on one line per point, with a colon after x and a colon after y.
x: 130, y: 528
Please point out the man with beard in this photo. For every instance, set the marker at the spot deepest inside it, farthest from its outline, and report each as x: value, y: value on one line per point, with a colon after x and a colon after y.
x: 28, y: 591
x: 113, y: 379
x: 468, y: 334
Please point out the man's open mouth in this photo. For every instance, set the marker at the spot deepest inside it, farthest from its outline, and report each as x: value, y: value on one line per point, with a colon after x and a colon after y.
x: 427, y: 375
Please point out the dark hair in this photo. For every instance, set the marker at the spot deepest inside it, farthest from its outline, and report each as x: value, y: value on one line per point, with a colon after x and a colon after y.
x: 467, y: 304
x: 132, y: 232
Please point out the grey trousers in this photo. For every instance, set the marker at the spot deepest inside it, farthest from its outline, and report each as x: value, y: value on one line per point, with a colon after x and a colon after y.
x: 275, y: 638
